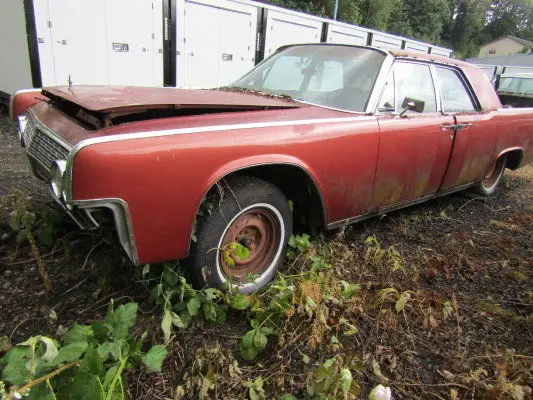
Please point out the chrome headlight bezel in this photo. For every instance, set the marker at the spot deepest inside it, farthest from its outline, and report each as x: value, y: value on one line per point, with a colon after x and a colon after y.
x: 57, y: 183
x: 23, y: 122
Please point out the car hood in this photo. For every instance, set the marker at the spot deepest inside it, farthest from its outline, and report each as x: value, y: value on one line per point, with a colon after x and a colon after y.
x: 112, y: 99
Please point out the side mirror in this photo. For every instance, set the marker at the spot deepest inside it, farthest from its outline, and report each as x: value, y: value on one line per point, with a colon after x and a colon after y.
x: 410, y: 104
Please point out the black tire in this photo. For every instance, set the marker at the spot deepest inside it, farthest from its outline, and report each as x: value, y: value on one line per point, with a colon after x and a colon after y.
x: 492, y: 178
x: 250, y: 211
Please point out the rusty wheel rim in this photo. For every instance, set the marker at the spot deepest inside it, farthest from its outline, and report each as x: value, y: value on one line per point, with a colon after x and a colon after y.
x: 494, y: 174
x: 258, y: 230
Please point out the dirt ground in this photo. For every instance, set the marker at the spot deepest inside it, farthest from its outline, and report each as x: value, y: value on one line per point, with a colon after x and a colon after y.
x: 473, y: 255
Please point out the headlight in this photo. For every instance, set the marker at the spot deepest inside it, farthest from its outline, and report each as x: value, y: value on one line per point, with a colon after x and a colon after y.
x: 56, y: 183
x: 23, y: 121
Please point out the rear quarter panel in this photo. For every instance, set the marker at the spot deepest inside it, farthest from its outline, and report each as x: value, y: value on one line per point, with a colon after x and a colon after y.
x: 515, y: 131
x: 163, y: 179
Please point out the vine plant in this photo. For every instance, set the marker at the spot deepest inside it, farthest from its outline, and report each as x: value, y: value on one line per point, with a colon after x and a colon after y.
x: 90, y: 361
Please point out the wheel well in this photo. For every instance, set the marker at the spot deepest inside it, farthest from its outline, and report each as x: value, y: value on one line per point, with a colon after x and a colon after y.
x: 297, y: 185
x: 514, y: 159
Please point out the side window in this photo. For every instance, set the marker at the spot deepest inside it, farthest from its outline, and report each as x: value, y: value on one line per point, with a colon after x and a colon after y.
x: 455, y: 97
x: 526, y: 86
x: 415, y: 81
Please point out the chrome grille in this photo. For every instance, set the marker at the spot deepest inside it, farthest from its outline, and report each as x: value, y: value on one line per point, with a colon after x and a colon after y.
x: 42, y: 145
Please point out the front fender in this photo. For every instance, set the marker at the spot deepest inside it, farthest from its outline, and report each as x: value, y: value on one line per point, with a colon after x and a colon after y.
x: 22, y: 100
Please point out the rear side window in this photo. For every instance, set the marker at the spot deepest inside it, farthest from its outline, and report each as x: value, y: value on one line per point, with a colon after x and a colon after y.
x: 455, y: 97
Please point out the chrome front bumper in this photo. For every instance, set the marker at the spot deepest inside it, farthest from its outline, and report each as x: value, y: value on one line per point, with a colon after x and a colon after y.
x: 43, y: 149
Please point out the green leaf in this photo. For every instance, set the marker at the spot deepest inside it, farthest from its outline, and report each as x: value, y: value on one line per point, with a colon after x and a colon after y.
x: 248, y: 353
x: 240, y: 251
x: 346, y: 380
x: 240, y: 301
x: 146, y: 270
x: 78, y: 333
x: 100, y: 331
x: 288, y: 397
x: 221, y: 316
x: 329, y: 363
x: 260, y: 340
x: 177, y: 321
x: 185, y: 318
x: 107, y: 348
x: 15, y: 362
x: 248, y: 338
x: 121, y: 320
x: 349, y: 290
x: 166, y: 324
x: 70, y: 352
x: 109, y: 375
x: 92, y: 362
x: 212, y: 294
x: 155, y: 357
x: 400, y: 303
x: 210, y: 312
x: 51, y: 351
x: 40, y: 392
x: 193, y: 305
x: 84, y: 386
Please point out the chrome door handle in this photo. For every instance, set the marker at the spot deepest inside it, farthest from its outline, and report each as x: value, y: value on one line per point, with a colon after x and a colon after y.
x: 457, y: 127
x: 448, y: 127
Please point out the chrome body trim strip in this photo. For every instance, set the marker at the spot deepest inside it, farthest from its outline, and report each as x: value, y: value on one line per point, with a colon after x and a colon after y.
x: 182, y: 131
x: 395, y: 207
x: 122, y: 218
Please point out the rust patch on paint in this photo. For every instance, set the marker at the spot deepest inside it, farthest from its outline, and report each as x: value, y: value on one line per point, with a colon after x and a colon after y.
x: 419, y: 184
x: 472, y: 170
x: 387, y: 191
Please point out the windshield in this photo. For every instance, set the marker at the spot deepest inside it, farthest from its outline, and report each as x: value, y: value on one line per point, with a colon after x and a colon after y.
x: 340, y: 77
x: 517, y: 85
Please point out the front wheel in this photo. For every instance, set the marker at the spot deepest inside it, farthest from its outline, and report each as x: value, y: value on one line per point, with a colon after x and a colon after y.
x: 249, y: 213
x: 493, y: 177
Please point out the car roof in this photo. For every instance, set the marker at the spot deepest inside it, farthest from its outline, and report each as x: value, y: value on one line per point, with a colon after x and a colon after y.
x: 395, y: 53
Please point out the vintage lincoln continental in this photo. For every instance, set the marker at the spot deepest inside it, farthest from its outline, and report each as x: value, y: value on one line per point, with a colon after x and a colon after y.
x: 316, y: 135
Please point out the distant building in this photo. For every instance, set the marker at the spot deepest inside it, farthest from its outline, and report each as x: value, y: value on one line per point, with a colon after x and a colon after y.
x: 504, y: 46
x: 515, y: 60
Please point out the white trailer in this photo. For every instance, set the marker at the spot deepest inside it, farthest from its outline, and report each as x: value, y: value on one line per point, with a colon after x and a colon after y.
x: 15, y: 68
x: 338, y: 32
x: 53, y: 42
x: 183, y: 43
x: 216, y: 41
x: 285, y: 27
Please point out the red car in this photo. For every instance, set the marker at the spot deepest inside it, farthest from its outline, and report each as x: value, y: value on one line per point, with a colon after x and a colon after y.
x: 318, y: 135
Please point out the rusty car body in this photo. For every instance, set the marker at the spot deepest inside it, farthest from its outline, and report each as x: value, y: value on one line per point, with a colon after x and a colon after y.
x: 152, y: 155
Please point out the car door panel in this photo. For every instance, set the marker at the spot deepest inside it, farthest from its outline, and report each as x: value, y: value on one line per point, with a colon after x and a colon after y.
x: 473, y: 149
x: 414, y: 150
x: 475, y: 133
x: 413, y: 156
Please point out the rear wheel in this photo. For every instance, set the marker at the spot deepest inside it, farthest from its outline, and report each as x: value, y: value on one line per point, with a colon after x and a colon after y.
x: 250, y: 213
x: 493, y: 177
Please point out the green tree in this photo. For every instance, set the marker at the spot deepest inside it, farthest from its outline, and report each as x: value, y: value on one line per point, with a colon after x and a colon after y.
x: 508, y: 17
x: 423, y: 20
x: 466, y: 33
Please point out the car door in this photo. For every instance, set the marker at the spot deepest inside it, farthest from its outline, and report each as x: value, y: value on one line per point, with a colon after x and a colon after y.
x: 474, y: 132
x: 414, y: 149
